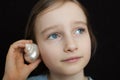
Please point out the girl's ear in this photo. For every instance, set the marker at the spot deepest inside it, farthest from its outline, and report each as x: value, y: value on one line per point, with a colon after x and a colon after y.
x: 31, y: 52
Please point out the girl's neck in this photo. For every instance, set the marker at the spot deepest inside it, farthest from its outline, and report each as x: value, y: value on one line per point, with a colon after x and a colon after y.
x: 78, y: 76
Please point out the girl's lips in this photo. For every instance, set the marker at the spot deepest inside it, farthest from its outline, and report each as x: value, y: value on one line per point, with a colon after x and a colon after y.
x: 71, y: 59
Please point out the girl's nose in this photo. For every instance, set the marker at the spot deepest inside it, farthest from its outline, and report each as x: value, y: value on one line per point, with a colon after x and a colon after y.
x: 70, y: 46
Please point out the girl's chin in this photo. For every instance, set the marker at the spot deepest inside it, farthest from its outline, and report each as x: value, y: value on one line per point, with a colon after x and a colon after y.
x: 70, y: 72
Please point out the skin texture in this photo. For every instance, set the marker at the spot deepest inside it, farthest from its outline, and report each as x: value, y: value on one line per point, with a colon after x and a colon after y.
x: 59, y: 38
x: 64, y: 44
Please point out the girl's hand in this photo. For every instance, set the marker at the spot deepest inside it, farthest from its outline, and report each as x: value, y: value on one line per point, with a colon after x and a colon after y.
x: 15, y: 68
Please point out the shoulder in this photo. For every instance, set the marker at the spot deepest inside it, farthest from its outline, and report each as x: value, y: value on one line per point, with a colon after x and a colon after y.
x: 39, y: 77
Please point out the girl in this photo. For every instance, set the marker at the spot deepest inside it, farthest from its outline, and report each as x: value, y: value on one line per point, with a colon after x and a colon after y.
x: 61, y: 30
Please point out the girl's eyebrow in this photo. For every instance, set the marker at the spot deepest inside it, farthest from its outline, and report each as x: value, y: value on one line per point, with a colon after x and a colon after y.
x: 80, y: 22
x: 49, y: 28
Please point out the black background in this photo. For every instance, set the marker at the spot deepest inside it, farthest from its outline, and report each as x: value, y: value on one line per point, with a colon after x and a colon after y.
x: 105, y: 23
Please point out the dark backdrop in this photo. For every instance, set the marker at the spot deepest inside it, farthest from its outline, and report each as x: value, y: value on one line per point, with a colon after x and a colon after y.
x: 103, y: 14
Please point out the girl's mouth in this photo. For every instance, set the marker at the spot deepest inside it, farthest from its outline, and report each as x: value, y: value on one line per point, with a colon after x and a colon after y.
x: 72, y: 59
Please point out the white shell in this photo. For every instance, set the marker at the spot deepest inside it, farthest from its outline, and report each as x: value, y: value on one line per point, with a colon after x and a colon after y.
x: 31, y: 53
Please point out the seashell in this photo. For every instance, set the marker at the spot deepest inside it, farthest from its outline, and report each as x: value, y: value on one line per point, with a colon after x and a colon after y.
x: 31, y: 53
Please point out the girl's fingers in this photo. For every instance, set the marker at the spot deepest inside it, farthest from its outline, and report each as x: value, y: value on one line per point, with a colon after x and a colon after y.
x: 33, y: 65
x: 15, y: 54
x: 15, y: 61
x: 17, y: 46
x: 30, y: 67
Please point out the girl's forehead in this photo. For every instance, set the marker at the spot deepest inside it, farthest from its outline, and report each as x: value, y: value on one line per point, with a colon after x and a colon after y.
x: 68, y: 12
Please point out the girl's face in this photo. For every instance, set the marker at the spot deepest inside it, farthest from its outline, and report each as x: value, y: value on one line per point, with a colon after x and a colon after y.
x: 63, y: 39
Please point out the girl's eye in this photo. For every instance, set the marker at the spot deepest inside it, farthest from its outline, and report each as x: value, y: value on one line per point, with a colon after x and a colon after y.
x: 53, y: 36
x: 79, y: 31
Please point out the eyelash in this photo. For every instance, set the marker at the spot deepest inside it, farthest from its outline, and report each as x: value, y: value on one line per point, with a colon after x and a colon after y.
x: 82, y: 30
x: 56, y: 35
x: 53, y: 35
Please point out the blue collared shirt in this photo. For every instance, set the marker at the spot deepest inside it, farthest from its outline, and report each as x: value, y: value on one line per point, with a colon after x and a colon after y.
x: 44, y: 77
